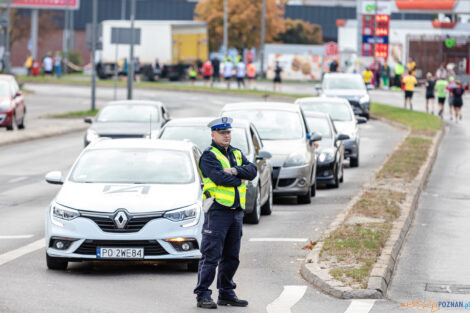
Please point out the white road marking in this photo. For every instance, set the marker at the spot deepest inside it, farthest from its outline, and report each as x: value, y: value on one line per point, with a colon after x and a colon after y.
x: 288, y: 298
x: 17, y: 179
x: 16, y: 236
x: 14, y: 254
x: 360, y: 306
x: 279, y: 239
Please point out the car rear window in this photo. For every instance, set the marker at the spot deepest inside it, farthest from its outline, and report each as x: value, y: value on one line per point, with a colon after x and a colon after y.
x: 319, y: 125
x: 136, y: 166
x: 128, y: 113
x: 351, y: 82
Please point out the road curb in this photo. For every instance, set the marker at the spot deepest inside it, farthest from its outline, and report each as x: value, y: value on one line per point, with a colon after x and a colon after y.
x: 382, y: 271
x: 43, y: 132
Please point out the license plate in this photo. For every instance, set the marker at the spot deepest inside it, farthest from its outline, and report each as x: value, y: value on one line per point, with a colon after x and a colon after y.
x: 119, y: 253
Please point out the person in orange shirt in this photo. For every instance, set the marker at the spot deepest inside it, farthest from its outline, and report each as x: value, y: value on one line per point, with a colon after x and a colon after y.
x: 251, y: 74
x: 409, y: 83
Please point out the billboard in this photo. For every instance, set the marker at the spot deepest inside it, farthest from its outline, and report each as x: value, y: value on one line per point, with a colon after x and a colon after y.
x: 46, y: 4
x: 296, y: 66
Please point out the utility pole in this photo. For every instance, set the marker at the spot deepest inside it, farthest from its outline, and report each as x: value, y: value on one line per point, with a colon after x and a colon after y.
x: 123, y: 9
x: 93, y: 51
x: 226, y: 26
x: 34, y: 33
x: 65, y: 37
x: 359, y: 27
x: 7, y: 45
x: 263, y: 34
x: 375, y: 28
x: 116, y: 67
x: 130, y: 66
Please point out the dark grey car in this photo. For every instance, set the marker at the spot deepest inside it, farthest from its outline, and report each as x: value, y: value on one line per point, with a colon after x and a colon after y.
x: 259, y: 198
x: 127, y: 119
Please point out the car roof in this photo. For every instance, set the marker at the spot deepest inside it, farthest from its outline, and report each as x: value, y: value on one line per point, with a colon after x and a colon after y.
x: 135, y: 102
x: 107, y: 143
x: 332, y: 100
x: 6, y: 77
x: 284, y: 106
x: 316, y: 114
x: 198, y: 121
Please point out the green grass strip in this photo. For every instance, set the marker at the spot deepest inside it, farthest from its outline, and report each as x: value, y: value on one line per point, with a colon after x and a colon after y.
x: 88, y: 113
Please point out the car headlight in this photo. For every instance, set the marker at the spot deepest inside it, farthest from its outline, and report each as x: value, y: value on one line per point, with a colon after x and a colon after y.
x: 63, y: 213
x: 186, y: 213
x: 364, y: 99
x: 91, y: 135
x: 297, y: 159
x: 326, y: 155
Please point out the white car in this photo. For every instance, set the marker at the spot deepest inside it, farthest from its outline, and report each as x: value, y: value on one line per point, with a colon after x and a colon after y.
x: 127, y: 199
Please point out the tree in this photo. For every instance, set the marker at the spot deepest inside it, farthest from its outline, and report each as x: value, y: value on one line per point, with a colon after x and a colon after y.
x: 244, y: 21
x: 301, y: 32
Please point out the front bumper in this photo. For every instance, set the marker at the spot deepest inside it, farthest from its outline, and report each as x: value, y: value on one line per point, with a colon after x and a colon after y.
x: 351, y: 148
x: 87, y: 236
x: 361, y: 109
x: 5, y: 119
x: 291, y: 180
x: 326, y: 172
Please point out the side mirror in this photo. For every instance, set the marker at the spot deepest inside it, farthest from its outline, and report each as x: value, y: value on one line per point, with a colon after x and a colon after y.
x: 263, y: 155
x: 342, y: 137
x: 88, y: 120
x: 315, y: 137
x: 54, y: 177
x: 361, y: 120
x: 370, y: 87
x: 18, y: 94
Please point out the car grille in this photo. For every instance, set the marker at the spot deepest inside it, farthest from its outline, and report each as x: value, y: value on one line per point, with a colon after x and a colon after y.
x: 286, y: 182
x: 151, y: 247
x: 357, y: 108
x: 105, y: 221
x: 121, y: 136
x: 275, y: 175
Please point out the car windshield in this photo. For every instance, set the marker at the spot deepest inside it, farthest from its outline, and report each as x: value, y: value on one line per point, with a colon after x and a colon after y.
x: 338, y: 111
x: 4, y: 89
x: 136, y: 166
x: 201, y: 136
x: 335, y: 82
x: 319, y: 125
x: 128, y: 113
x: 273, y: 124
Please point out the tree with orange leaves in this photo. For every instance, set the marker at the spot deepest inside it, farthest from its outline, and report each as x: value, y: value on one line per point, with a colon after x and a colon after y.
x: 244, y: 21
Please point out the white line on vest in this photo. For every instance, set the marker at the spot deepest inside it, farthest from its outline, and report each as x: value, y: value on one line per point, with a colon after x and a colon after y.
x: 288, y: 298
x: 279, y: 239
x: 360, y: 306
x: 14, y: 254
x: 16, y: 236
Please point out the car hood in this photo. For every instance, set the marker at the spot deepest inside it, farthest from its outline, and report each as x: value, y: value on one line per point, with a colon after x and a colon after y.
x: 134, y: 198
x: 345, y: 93
x: 345, y: 127
x: 7, y: 100
x: 280, y: 149
x: 124, y: 128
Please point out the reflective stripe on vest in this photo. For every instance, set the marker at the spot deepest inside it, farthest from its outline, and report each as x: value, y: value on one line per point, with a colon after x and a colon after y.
x: 225, y: 195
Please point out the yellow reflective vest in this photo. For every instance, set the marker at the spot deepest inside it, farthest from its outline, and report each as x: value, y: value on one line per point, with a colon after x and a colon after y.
x: 225, y: 195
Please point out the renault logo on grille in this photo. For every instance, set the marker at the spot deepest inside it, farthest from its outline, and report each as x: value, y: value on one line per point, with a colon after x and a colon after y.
x: 120, y: 219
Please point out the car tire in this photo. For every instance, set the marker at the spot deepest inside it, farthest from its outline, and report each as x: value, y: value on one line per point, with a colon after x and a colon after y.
x: 267, y: 208
x: 21, y: 126
x: 13, y: 123
x: 305, y: 199
x: 313, y: 189
x: 341, y: 180
x: 354, y: 162
x: 56, y: 263
x: 336, y: 179
x: 193, y: 266
x: 254, y: 216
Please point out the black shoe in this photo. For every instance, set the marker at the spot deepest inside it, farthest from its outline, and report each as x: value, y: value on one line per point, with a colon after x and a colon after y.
x: 206, y: 303
x: 232, y: 301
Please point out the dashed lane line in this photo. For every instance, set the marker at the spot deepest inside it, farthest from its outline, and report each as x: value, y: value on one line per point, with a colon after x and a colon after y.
x: 360, y: 306
x: 14, y: 254
x: 16, y: 236
x: 279, y: 239
x: 288, y: 298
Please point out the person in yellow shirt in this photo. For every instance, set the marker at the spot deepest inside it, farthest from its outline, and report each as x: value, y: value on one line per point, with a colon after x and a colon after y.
x: 29, y: 64
x: 367, y: 76
x: 409, y: 82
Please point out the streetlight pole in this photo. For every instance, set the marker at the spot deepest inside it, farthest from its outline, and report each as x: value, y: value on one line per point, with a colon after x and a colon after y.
x: 93, y: 51
x: 123, y: 9
x: 7, y: 45
x: 226, y: 26
x: 65, y: 37
x: 130, y: 73
x: 263, y: 33
x: 375, y: 30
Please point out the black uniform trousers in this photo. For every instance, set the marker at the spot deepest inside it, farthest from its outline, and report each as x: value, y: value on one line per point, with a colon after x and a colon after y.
x: 220, y: 246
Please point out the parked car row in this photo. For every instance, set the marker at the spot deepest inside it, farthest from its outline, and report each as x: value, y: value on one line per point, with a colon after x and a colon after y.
x: 12, y: 104
x: 143, y: 194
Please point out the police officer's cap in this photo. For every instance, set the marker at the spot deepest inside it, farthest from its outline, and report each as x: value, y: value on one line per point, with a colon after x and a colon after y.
x: 221, y: 123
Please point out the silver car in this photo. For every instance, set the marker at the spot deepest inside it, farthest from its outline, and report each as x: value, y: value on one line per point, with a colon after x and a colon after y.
x: 344, y: 119
x: 127, y: 199
x: 245, y: 137
x: 284, y: 132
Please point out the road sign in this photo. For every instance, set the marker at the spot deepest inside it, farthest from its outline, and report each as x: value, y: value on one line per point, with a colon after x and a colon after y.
x: 383, y: 7
x: 99, y: 37
x: 122, y: 36
x: 46, y: 4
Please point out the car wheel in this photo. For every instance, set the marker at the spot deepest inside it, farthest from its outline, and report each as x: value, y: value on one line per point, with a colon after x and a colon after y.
x: 336, y: 179
x: 21, y: 126
x: 266, y: 209
x: 354, y: 162
x: 313, y: 189
x: 193, y: 266
x: 305, y: 199
x: 342, y: 174
x: 13, y: 123
x: 56, y: 263
x: 254, y: 216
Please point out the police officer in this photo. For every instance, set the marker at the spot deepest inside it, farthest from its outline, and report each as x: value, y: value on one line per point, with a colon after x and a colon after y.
x: 224, y: 170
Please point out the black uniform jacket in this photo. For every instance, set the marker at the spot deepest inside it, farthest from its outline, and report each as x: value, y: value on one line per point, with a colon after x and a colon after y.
x: 211, y: 168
